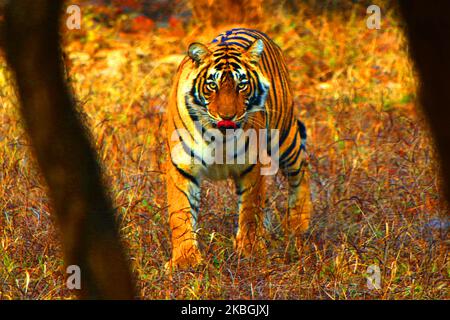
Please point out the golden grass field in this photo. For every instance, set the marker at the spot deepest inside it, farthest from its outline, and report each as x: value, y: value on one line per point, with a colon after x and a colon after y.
x: 374, y: 174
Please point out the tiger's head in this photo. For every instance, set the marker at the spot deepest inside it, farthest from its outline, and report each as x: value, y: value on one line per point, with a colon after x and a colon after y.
x: 227, y: 84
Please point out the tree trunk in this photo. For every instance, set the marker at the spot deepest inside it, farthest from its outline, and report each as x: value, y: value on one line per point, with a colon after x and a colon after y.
x: 83, y: 210
x: 428, y: 32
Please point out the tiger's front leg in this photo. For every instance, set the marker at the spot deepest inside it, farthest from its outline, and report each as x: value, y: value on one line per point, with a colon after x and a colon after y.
x: 251, y: 192
x: 183, y: 199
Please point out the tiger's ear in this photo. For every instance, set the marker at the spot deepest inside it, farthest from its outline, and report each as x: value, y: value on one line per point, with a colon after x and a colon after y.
x: 198, y: 52
x: 255, y: 51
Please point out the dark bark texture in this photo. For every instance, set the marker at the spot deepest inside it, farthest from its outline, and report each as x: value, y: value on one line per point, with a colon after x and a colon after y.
x: 428, y: 32
x: 83, y: 210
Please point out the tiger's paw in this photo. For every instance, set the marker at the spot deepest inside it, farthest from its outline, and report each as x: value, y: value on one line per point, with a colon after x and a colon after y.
x: 297, y: 220
x: 184, y: 258
x: 250, y: 246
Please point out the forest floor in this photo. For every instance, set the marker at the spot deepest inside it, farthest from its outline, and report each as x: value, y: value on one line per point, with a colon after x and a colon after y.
x: 374, y: 174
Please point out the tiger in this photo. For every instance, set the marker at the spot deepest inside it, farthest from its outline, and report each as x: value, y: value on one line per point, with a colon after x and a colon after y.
x: 237, y: 82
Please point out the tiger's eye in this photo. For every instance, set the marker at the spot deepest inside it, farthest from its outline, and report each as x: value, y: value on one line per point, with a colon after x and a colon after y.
x: 242, y: 86
x: 211, y: 86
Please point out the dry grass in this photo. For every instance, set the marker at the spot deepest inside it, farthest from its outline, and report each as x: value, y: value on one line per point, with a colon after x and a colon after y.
x: 376, y: 193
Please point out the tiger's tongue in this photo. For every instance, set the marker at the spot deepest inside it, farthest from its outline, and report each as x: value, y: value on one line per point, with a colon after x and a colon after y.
x: 226, y: 124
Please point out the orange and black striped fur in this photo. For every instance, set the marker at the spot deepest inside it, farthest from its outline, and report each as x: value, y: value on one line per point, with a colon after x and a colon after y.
x: 241, y: 77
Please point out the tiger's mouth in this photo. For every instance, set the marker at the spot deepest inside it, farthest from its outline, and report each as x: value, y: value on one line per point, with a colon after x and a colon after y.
x: 226, y: 124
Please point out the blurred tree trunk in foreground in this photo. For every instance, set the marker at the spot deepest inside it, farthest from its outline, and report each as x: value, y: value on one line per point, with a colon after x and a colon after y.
x: 428, y: 32
x: 83, y: 210
x: 216, y: 13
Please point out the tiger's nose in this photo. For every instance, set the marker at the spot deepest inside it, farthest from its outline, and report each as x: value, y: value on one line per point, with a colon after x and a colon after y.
x: 227, y: 116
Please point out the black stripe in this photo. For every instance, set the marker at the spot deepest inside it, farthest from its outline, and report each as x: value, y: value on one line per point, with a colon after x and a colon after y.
x: 228, y: 42
x: 194, y: 91
x: 247, y: 170
x: 294, y: 159
x: 186, y: 148
x: 246, y: 146
x: 240, y: 191
x: 283, y: 137
x: 294, y: 173
x: 187, y: 175
x: 191, y: 152
x: 235, y: 65
x: 296, y: 185
x: 220, y: 65
x: 302, y: 129
x: 288, y: 151
x: 242, y: 39
x: 196, y: 208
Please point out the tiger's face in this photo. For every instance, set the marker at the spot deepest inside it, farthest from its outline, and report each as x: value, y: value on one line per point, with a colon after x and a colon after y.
x: 227, y: 85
